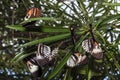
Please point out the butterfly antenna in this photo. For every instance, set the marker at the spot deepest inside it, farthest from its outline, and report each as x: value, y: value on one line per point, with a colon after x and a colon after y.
x: 72, y: 30
x: 60, y: 44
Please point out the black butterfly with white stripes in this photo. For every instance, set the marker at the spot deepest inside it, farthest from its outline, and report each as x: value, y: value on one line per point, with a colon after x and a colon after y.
x: 93, y: 48
x: 44, y: 56
x: 45, y: 51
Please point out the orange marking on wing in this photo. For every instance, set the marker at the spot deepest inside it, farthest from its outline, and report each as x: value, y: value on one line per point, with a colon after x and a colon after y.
x: 34, y: 12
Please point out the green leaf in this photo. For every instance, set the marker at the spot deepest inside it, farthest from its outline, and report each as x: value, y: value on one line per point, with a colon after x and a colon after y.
x: 105, y: 19
x: 65, y: 77
x: 22, y: 57
x: 69, y: 76
x: 101, y: 36
x: 41, y: 18
x: 17, y: 56
x: 47, y: 40
x: 110, y: 18
x: 16, y: 27
x: 98, y: 61
x: 111, y: 4
x: 117, y: 65
x: 23, y: 53
x: 78, y: 45
x: 89, y: 74
x: 54, y: 29
x: 38, y: 28
x: 59, y: 66
x: 82, y: 6
x: 84, y: 70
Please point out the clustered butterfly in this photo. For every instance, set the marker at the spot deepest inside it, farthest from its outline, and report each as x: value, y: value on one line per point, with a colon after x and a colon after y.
x: 89, y: 45
x: 44, y: 56
x: 45, y: 51
x: 33, y: 66
x: 93, y: 48
x: 32, y: 13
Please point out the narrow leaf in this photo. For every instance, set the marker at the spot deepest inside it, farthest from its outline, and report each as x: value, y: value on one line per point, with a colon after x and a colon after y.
x: 84, y: 70
x: 82, y: 6
x: 47, y: 40
x: 41, y: 18
x: 22, y: 57
x: 111, y: 4
x: 38, y: 28
x: 16, y: 27
x: 107, y: 19
x: 54, y: 29
x: 89, y: 74
x: 59, y: 66
x: 101, y: 36
x: 17, y: 56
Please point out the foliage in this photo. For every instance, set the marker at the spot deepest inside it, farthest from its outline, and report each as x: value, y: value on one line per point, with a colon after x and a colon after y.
x: 17, y: 42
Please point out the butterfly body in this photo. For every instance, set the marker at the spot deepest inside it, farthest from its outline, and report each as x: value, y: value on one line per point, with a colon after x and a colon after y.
x: 97, y: 52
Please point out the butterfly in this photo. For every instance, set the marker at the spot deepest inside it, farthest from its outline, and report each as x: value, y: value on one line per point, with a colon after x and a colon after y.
x: 44, y: 56
x: 45, y: 51
x: 33, y: 67
x: 76, y: 59
x: 32, y: 13
x: 93, y: 48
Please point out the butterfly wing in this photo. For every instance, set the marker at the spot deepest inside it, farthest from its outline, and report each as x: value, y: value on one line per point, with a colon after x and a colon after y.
x: 34, y: 68
x: 71, y: 62
x: 33, y: 13
x: 93, y: 48
x: 43, y: 51
x: 97, y: 52
x: 87, y: 45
